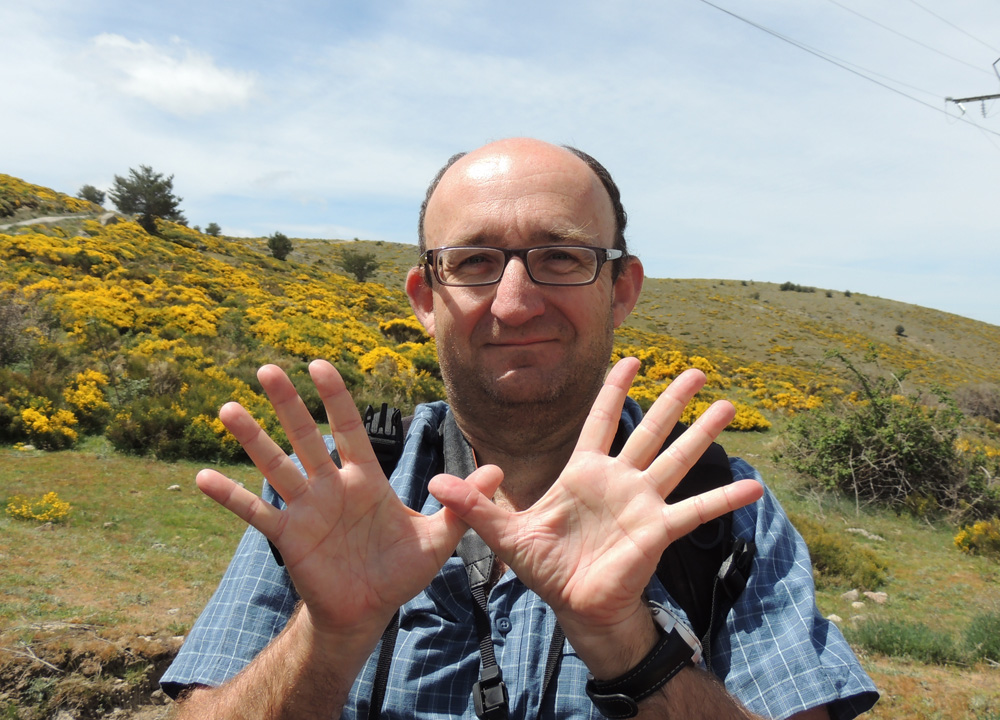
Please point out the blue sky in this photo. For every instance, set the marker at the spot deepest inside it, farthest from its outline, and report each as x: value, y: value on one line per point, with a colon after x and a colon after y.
x: 740, y: 154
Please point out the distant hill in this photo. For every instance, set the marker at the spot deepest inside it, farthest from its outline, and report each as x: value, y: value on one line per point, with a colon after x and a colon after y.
x: 168, y: 327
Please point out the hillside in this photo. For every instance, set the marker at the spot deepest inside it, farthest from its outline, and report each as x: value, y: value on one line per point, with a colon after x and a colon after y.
x: 117, y: 348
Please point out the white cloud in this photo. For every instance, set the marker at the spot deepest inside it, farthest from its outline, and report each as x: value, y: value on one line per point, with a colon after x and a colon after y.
x: 175, y: 78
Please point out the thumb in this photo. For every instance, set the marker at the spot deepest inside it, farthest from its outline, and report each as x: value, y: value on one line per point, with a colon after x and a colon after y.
x: 470, y: 499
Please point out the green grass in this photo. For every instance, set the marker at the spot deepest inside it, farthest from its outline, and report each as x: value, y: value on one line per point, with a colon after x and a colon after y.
x: 130, y: 551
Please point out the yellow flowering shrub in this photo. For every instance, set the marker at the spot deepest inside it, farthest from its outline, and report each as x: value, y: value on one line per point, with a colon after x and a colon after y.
x: 407, y: 329
x: 16, y: 194
x: 49, y: 429
x: 964, y: 445
x: 47, y: 508
x: 86, y: 397
x: 747, y: 418
x: 981, y: 538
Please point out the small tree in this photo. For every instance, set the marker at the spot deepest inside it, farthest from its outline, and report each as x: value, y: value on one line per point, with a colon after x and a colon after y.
x: 900, y: 330
x: 213, y: 229
x: 147, y: 194
x: 91, y: 194
x: 279, y: 245
x: 360, y: 264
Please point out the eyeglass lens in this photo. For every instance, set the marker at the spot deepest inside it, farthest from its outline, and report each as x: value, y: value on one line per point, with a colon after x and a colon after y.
x: 564, y: 265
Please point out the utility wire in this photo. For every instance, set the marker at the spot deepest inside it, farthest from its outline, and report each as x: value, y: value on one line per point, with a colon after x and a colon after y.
x: 907, y: 37
x: 946, y: 22
x: 844, y: 66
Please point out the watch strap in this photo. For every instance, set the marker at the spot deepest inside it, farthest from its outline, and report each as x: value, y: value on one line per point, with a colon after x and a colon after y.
x: 619, y: 697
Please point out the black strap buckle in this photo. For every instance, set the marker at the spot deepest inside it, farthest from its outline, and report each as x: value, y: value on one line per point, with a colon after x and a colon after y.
x: 490, y: 694
x: 385, y: 432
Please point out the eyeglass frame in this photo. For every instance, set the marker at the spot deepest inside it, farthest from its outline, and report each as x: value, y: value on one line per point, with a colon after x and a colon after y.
x: 602, y: 255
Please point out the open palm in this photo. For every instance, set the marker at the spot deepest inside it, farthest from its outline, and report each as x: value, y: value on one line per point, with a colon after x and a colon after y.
x: 591, y: 543
x: 354, y: 551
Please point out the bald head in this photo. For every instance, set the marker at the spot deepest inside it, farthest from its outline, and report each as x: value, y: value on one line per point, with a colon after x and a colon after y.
x: 538, y: 156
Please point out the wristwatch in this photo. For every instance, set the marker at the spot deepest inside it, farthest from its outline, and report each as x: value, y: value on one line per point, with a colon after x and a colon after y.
x: 677, y: 648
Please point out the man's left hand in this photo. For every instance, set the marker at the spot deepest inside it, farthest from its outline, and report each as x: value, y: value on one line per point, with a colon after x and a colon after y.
x: 591, y: 543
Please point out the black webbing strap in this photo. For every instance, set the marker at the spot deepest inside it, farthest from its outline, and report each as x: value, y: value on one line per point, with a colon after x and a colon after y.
x: 382, y: 669
x: 489, y: 693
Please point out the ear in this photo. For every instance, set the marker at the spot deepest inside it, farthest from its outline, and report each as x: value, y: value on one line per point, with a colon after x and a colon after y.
x: 626, y: 290
x: 421, y: 298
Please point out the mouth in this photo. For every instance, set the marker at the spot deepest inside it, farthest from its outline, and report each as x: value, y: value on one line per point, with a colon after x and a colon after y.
x: 519, y: 342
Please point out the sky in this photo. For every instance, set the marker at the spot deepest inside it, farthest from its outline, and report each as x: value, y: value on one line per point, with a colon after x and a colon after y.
x: 808, y: 141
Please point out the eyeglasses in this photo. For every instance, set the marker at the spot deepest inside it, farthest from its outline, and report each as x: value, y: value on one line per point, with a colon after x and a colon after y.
x: 472, y: 265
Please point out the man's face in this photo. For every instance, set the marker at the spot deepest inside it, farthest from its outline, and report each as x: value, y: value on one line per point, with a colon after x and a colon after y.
x: 515, y: 342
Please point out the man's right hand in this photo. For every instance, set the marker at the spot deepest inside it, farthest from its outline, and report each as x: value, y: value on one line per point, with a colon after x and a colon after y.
x: 354, y: 551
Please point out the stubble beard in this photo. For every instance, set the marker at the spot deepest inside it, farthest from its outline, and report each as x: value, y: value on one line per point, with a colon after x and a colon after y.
x: 560, y: 399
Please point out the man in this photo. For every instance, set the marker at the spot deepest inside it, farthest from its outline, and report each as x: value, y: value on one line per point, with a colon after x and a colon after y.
x: 524, y: 277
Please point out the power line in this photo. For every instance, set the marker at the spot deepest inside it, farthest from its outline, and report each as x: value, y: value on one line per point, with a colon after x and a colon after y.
x: 843, y: 65
x: 907, y: 37
x: 951, y: 24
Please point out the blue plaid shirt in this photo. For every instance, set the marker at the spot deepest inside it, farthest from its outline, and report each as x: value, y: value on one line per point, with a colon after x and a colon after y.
x: 776, y: 653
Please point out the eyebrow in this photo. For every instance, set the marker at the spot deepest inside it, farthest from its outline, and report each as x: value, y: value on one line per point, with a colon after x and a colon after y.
x: 555, y: 236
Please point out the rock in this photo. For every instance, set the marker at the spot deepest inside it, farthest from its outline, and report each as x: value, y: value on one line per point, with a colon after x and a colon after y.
x: 109, y: 525
x: 835, y: 618
x: 850, y: 595
x: 108, y: 218
x: 161, y: 546
x: 174, y: 488
x: 865, y: 534
x: 857, y: 605
x: 855, y: 619
x: 26, y: 448
x: 158, y: 697
x: 173, y: 611
x: 46, y: 527
x: 879, y: 598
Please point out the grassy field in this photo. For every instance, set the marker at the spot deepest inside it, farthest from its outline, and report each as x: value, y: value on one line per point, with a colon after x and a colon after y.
x: 138, y: 559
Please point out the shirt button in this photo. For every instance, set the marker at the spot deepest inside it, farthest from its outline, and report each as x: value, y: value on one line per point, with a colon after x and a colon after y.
x: 504, y: 625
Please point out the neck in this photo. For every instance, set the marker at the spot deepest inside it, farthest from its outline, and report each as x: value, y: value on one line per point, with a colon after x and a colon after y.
x: 531, y: 448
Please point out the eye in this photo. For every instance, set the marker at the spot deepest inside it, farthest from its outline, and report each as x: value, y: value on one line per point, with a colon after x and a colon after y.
x: 563, y: 260
x: 466, y: 263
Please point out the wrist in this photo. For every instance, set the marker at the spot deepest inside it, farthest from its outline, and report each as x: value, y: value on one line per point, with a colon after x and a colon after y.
x: 609, y: 650
x: 676, y: 649
x: 347, y: 647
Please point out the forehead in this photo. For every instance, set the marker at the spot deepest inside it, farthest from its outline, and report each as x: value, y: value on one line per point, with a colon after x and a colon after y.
x: 519, y: 197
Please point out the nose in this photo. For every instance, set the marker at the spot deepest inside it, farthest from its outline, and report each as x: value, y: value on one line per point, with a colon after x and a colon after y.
x: 517, y: 299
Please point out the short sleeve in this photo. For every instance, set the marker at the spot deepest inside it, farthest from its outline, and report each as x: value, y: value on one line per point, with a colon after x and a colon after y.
x: 778, y: 654
x: 250, y: 607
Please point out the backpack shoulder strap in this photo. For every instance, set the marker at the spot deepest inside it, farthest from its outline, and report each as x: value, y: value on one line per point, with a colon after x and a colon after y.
x: 706, y: 570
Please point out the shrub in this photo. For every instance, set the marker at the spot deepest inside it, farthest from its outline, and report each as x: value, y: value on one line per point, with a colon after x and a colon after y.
x: 360, y: 264
x: 86, y: 396
x: 213, y: 229
x: 838, y: 560
x: 982, y: 637
x: 183, y: 424
x: 47, y: 428
x: 898, y: 638
x: 892, y: 449
x: 279, y: 245
x: 982, y: 538
x: 47, y: 508
x: 91, y: 194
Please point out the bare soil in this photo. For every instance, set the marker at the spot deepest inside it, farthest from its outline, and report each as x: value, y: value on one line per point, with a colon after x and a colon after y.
x: 69, y: 671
